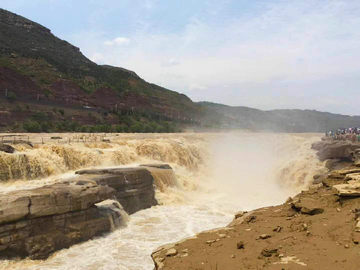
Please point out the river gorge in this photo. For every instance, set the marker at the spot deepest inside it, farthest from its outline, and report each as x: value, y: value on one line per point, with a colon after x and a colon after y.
x: 216, y: 175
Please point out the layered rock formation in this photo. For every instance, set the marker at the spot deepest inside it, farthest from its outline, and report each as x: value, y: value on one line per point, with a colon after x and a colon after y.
x: 37, y: 222
x: 134, y: 186
x: 335, y: 149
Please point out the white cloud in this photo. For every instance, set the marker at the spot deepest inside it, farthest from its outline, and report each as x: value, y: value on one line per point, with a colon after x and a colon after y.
x: 117, y: 41
x: 194, y: 87
x: 267, y: 58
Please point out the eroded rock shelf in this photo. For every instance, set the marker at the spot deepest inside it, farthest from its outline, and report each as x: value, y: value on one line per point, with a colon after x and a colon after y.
x: 35, y: 223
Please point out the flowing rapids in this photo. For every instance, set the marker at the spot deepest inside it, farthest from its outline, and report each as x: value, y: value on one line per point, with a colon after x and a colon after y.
x: 215, y: 176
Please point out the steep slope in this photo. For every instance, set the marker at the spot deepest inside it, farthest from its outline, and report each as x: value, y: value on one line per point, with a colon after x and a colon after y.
x: 35, y: 64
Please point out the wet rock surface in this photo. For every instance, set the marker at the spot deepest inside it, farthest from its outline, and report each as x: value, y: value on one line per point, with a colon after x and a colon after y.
x: 134, y: 186
x: 6, y: 148
x: 37, y: 222
x: 51, y: 200
x: 159, y: 166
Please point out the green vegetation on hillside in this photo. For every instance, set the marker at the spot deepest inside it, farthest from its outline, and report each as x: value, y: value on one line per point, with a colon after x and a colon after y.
x: 32, y: 50
x: 33, y: 126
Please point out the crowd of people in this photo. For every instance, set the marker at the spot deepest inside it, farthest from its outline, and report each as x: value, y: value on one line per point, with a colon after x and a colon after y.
x: 342, y: 134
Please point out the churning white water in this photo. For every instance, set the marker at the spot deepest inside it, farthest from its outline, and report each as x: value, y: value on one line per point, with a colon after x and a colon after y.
x: 217, y: 175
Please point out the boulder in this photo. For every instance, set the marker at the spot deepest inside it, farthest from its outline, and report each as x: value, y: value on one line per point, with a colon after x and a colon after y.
x: 352, y: 189
x: 338, y: 149
x: 171, y: 252
x: 7, y: 148
x: 318, y: 178
x: 134, y: 186
x: 307, y: 206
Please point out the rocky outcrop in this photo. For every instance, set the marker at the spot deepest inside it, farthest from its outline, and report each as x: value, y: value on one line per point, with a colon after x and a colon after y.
x: 351, y: 185
x: 319, y: 145
x: 337, y: 149
x: 7, y: 148
x: 134, y: 186
x: 37, y: 222
x: 51, y: 200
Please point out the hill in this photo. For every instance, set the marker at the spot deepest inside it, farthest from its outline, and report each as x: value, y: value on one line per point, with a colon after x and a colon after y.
x: 35, y: 62
x: 37, y: 68
x: 279, y: 120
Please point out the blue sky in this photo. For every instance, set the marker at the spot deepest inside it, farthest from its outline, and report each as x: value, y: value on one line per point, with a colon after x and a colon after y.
x: 271, y: 54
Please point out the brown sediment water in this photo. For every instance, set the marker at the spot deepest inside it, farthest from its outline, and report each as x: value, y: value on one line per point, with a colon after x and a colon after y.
x: 214, y: 176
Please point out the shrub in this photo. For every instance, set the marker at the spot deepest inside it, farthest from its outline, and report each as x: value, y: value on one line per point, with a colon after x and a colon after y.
x: 83, y: 129
x: 44, y: 127
x: 62, y: 112
x: 118, y: 129
x: 160, y: 129
x: 11, y: 96
x: 136, y: 128
x: 148, y: 129
x: 32, y: 126
x: 73, y: 126
x: 40, y: 116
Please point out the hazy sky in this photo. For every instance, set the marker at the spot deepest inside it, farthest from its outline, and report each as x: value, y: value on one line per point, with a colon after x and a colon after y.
x: 269, y: 54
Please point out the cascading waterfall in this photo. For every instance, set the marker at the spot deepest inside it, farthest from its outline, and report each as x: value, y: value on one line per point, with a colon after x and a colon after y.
x: 214, y: 176
x: 163, y: 178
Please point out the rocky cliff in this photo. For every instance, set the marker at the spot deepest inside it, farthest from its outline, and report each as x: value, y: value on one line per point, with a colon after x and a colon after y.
x: 35, y: 223
x: 134, y: 186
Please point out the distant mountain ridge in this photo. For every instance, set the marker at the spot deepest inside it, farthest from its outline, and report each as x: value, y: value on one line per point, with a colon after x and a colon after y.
x: 280, y: 120
x: 39, y: 68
